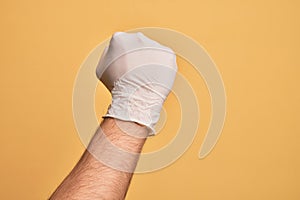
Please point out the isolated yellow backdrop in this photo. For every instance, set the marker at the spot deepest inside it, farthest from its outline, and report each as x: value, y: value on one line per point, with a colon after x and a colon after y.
x: 255, y: 44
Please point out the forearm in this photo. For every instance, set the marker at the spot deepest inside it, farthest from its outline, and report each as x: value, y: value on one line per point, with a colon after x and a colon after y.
x: 91, y: 179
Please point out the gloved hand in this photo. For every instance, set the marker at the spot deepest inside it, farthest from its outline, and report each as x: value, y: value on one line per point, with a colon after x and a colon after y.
x: 139, y: 73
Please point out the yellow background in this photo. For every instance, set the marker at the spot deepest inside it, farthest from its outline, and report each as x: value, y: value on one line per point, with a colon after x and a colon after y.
x: 255, y: 44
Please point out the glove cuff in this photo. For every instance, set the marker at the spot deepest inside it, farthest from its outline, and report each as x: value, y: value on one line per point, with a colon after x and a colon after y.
x: 132, y: 108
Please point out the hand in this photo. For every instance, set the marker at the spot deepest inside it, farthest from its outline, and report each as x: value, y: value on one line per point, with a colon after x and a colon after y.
x: 139, y: 73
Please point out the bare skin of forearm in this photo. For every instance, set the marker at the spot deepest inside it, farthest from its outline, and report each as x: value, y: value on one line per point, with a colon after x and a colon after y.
x: 90, y: 178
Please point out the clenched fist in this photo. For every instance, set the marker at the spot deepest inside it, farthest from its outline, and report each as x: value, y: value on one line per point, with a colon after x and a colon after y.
x: 139, y: 73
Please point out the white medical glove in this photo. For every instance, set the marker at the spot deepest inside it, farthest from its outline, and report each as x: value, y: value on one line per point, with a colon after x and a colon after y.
x: 139, y: 73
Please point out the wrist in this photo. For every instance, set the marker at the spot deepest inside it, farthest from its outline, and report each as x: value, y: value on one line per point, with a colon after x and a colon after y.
x: 126, y: 135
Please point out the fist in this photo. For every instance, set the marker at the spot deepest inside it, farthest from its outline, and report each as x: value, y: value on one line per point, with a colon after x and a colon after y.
x: 139, y: 73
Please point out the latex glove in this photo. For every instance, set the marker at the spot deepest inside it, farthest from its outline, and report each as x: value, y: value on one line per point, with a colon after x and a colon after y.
x: 139, y: 73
